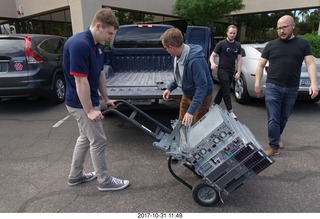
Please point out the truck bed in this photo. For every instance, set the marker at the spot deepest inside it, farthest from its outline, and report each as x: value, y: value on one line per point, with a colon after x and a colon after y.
x: 140, y: 85
x: 140, y: 79
x: 138, y: 68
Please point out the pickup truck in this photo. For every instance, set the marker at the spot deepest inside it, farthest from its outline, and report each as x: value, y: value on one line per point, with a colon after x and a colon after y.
x: 138, y: 68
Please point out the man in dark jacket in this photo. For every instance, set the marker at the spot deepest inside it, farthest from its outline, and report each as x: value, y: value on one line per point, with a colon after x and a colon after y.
x: 191, y: 73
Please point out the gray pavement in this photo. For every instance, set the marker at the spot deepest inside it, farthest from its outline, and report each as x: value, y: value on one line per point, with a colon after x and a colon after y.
x: 35, y: 160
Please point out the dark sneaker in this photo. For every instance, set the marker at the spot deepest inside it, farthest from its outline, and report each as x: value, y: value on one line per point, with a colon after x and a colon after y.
x: 271, y: 152
x: 115, y: 184
x: 281, y: 145
x: 86, y: 177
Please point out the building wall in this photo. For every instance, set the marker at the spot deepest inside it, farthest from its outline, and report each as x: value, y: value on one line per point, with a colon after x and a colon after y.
x: 254, y: 6
x: 164, y: 7
x: 154, y: 6
x: 82, y: 11
x: 31, y: 7
x: 8, y: 9
x: 81, y: 21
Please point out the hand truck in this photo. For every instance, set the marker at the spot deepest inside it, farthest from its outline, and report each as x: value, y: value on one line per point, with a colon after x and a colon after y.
x: 218, y: 149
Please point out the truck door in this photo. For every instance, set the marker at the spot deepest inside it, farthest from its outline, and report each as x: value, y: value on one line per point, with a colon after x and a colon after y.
x: 202, y: 36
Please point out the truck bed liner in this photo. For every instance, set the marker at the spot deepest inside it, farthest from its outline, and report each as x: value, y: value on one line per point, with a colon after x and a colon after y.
x: 134, y: 79
x: 140, y: 85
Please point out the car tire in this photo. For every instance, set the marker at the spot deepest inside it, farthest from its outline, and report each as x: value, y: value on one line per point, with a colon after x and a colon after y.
x: 241, y: 91
x: 59, y: 89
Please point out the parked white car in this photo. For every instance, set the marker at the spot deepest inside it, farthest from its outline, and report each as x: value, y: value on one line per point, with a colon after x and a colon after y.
x: 244, y: 88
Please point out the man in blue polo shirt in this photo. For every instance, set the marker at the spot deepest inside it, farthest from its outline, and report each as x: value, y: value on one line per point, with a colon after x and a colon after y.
x: 83, y: 69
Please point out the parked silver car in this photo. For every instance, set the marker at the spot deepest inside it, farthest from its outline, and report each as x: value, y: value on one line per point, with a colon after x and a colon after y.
x: 244, y: 88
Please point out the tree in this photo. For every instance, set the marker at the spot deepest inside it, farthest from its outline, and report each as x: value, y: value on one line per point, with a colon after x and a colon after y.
x: 205, y: 12
x: 313, y: 18
x: 127, y: 17
x: 304, y: 14
x: 260, y: 27
x: 310, y: 23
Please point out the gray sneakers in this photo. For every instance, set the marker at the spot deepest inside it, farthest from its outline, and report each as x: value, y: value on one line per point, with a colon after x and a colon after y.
x: 115, y: 184
x: 86, y: 177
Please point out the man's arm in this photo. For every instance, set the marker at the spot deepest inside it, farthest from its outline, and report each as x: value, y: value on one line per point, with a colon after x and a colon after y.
x: 213, y: 65
x: 239, y: 64
x: 313, y: 74
x: 83, y: 91
x: 259, y: 72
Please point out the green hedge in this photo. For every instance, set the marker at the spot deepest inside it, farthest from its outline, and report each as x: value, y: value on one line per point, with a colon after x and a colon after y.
x: 314, y: 40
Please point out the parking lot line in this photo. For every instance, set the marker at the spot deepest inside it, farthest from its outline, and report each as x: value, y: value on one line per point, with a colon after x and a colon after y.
x: 60, y: 122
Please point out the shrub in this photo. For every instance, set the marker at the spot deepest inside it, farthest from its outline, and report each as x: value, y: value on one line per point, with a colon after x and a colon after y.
x: 314, y: 40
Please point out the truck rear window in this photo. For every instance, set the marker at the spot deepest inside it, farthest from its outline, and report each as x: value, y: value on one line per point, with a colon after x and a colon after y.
x: 139, y: 37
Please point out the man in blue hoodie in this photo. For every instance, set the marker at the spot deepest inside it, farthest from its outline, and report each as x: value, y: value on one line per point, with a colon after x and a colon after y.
x: 191, y: 73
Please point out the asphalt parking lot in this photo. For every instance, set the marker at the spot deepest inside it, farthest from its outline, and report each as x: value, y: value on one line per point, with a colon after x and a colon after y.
x: 37, y: 141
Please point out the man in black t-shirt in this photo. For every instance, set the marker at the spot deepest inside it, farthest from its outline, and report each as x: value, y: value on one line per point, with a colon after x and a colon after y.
x: 229, y: 67
x: 285, y: 56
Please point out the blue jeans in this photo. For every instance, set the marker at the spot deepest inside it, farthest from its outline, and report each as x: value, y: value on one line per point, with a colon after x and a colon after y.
x: 279, y: 103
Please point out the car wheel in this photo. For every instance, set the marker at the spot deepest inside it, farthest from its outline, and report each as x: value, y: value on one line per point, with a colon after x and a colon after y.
x: 59, y: 89
x: 241, y: 92
x: 205, y: 195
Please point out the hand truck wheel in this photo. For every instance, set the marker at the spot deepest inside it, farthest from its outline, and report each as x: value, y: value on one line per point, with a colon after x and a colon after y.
x: 205, y: 195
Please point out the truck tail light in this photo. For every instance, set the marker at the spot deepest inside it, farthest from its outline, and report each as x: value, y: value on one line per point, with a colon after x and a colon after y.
x: 144, y: 25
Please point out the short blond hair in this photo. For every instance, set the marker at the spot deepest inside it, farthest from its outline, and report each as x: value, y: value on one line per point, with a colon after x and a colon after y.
x: 106, y: 17
x: 232, y: 26
x: 173, y: 37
